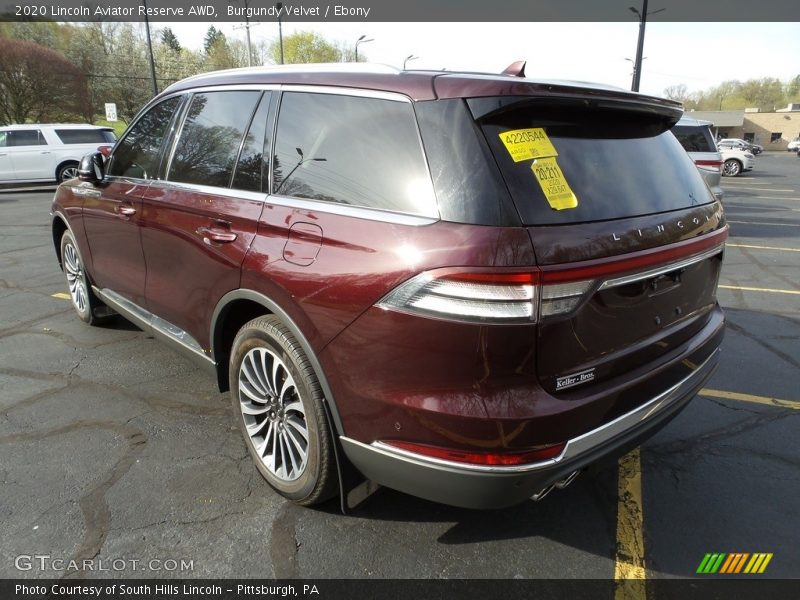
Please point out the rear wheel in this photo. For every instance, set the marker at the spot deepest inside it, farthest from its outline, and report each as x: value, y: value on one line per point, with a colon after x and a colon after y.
x: 67, y: 171
x: 89, y: 308
x: 731, y: 168
x: 278, y: 404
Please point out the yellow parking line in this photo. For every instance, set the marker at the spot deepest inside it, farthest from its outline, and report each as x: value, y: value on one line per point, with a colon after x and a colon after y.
x: 61, y: 296
x: 794, y: 405
x: 629, y: 569
x: 762, y: 247
x: 755, y: 289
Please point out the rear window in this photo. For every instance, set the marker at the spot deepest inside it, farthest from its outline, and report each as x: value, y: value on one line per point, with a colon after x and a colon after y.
x: 86, y: 136
x: 695, y: 138
x: 600, y: 164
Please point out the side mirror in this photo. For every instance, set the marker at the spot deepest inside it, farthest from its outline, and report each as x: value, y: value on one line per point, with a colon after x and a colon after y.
x: 92, y: 168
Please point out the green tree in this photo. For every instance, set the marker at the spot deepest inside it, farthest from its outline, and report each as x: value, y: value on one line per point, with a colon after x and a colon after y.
x: 305, y: 47
x: 213, y: 36
x: 169, y: 40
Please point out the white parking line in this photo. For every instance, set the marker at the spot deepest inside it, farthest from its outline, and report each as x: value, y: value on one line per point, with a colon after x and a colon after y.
x: 739, y: 187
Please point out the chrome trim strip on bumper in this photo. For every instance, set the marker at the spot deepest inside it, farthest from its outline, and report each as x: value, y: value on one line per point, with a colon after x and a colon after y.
x: 574, y: 447
x: 686, y: 262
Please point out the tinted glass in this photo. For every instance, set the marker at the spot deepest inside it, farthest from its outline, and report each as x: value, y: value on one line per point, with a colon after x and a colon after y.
x: 351, y: 150
x: 211, y: 136
x: 138, y: 154
x: 468, y: 185
x: 250, y: 167
x: 695, y: 138
x: 25, y: 137
x: 617, y: 163
x: 86, y: 136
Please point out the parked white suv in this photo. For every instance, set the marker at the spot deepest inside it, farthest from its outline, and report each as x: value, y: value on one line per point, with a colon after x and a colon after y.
x: 696, y: 138
x: 38, y: 153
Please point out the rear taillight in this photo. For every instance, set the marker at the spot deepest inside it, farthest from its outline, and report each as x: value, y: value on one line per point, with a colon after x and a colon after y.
x: 104, y: 150
x: 709, y: 165
x: 537, y: 293
x: 472, y: 297
x: 528, y: 456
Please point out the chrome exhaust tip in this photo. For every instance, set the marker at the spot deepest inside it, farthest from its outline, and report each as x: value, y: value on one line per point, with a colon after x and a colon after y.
x: 567, y: 480
x: 542, y: 493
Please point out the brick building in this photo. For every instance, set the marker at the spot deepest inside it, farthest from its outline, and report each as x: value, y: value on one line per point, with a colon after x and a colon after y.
x: 773, y: 130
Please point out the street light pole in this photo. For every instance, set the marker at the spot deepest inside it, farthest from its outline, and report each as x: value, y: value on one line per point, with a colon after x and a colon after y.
x: 361, y: 40
x: 279, y: 6
x: 637, y: 66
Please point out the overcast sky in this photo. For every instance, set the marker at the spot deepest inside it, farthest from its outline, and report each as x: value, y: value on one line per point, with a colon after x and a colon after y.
x: 699, y: 55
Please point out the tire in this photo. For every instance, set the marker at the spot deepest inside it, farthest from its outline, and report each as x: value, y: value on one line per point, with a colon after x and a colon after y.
x: 278, y: 405
x: 731, y: 168
x: 89, y: 308
x: 66, y: 172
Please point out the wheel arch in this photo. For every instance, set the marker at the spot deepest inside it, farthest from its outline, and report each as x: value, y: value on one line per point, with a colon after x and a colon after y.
x: 62, y: 164
x: 237, y: 308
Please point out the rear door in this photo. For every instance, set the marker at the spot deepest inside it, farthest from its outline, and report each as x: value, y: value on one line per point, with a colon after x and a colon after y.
x: 627, y: 236
x: 198, y: 223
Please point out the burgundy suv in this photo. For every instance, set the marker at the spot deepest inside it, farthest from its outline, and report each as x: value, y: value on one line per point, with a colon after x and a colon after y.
x: 462, y: 286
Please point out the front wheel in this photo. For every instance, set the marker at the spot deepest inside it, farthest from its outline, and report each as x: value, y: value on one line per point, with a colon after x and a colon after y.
x: 731, y: 168
x: 278, y: 404
x: 89, y: 308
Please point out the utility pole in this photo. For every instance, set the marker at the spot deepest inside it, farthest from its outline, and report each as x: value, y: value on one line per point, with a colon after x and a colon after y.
x: 279, y: 6
x: 150, y: 50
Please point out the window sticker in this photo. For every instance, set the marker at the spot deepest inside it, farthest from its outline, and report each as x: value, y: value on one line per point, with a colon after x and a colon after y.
x: 527, y: 144
x: 553, y: 183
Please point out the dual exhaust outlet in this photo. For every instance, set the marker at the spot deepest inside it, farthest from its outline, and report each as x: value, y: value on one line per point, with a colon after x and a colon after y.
x: 560, y: 484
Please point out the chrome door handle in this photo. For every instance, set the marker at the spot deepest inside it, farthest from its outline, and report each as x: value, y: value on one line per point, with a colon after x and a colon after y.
x: 126, y: 210
x: 216, y: 235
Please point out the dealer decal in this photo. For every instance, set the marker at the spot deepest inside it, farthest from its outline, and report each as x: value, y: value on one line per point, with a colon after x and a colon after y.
x: 568, y: 381
x: 553, y: 183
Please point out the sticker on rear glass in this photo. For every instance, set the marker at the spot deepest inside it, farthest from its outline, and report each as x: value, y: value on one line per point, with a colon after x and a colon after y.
x: 525, y: 144
x: 553, y: 183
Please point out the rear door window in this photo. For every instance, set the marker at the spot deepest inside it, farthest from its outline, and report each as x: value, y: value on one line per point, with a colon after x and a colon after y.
x: 25, y: 137
x: 614, y: 163
x: 211, y: 137
x: 138, y: 155
x: 354, y: 150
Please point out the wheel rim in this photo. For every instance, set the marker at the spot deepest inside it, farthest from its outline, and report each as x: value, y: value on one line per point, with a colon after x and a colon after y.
x: 75, y: 280
x: 273, y: 414
x: 731, y: 168
x: 69, y: 173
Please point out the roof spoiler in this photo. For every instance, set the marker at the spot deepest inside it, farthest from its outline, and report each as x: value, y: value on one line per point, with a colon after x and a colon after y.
x: 516, y: 69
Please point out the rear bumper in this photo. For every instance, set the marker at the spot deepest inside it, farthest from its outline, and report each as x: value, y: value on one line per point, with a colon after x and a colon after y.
x: 484, y: 487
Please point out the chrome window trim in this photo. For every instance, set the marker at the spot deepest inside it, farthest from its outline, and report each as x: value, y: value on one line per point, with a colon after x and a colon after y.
x: 574, y: 447
x: 655, y: 272
x: 348, y: 210
x: 210, y: 189
x: 333, y: 90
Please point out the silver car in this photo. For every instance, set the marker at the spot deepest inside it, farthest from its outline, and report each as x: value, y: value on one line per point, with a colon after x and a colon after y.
x: 696, y: 138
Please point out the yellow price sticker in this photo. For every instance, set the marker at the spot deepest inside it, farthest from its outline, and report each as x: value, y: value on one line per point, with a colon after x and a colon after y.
x: 525, y: 144
x: 553, y: 183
